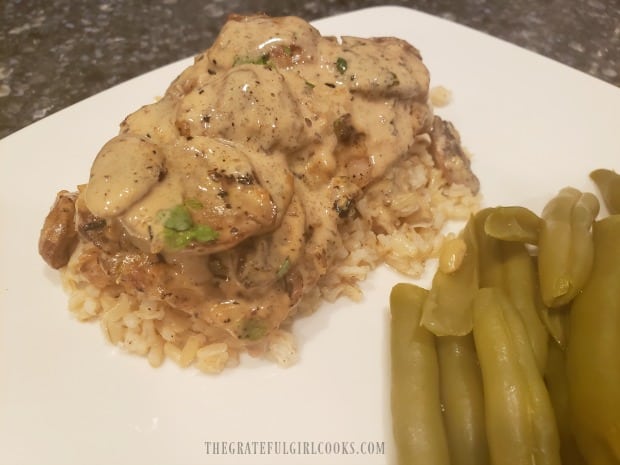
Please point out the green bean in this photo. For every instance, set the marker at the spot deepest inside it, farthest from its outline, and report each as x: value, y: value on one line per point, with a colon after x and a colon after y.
x: 557, y: 385
x: 565, y: 245
x: 520, y: 424
x: 556, y: 319
x: 513, y: 224
x: 608, y: 183
x: 507, y: 416
x: 460, y: 385
x: 520, y: 283
x: 509, y: 266
x: 489, y: 253
x: 592, y: 366
x: 447, y: 310
x: 556, y: 322
x: 546, y: 436
x: 582, y: 251
x: 452, y: 254
x: 417, y: 421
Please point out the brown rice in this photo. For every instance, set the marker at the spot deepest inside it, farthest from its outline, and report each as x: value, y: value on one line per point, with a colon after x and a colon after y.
x: 403, y: 233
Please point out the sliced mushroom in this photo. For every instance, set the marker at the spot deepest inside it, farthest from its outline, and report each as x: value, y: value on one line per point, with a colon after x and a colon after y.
x: 383, y: 66
x: 250, y: 105
x: 251, y: 37
x: 269, y: 258
x: 124, y: 171
x: 154, y: 122
x: 449, y: 155
x: 58, y: 236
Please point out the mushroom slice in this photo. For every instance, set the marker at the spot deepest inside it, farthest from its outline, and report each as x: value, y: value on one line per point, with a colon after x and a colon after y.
x: 58, y: 236
x: 450, y: 157
x: 124, y: 171
x: 270, y: 257
x: 250, y: 105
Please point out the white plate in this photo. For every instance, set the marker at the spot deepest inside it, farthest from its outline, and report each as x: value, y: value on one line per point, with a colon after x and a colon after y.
x: 68, y: 397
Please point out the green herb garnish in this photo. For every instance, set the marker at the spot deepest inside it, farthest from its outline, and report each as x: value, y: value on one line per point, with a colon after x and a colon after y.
x: 283, y: 269
x: 178, y: 219
x: 177, y: 239
x: 246, y: 60
x: 203, y: 233
x: 341, y: 65
x: 180, y: 229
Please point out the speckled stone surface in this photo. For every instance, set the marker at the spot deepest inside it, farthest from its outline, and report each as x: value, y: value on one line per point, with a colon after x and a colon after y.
x: 57, y: 52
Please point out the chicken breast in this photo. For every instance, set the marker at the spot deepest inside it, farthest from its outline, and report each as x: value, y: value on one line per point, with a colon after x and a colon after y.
x: 226, y: 198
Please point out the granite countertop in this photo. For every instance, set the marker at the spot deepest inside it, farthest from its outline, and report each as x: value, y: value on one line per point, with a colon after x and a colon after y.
x: 58, y: 52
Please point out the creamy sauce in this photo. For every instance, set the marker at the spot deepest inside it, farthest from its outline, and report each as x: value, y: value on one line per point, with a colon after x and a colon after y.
x: 241, y: 174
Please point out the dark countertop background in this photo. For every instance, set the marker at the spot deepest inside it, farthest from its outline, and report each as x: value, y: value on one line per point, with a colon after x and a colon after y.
x: 54, y: 53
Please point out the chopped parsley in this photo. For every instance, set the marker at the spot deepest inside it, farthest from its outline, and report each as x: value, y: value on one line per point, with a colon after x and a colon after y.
x: 178, y: 219
x: 180, y: 229
x: 203, y: 233
x: 341, y: 65
x: 246, y: 60
x: 283, y: 269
